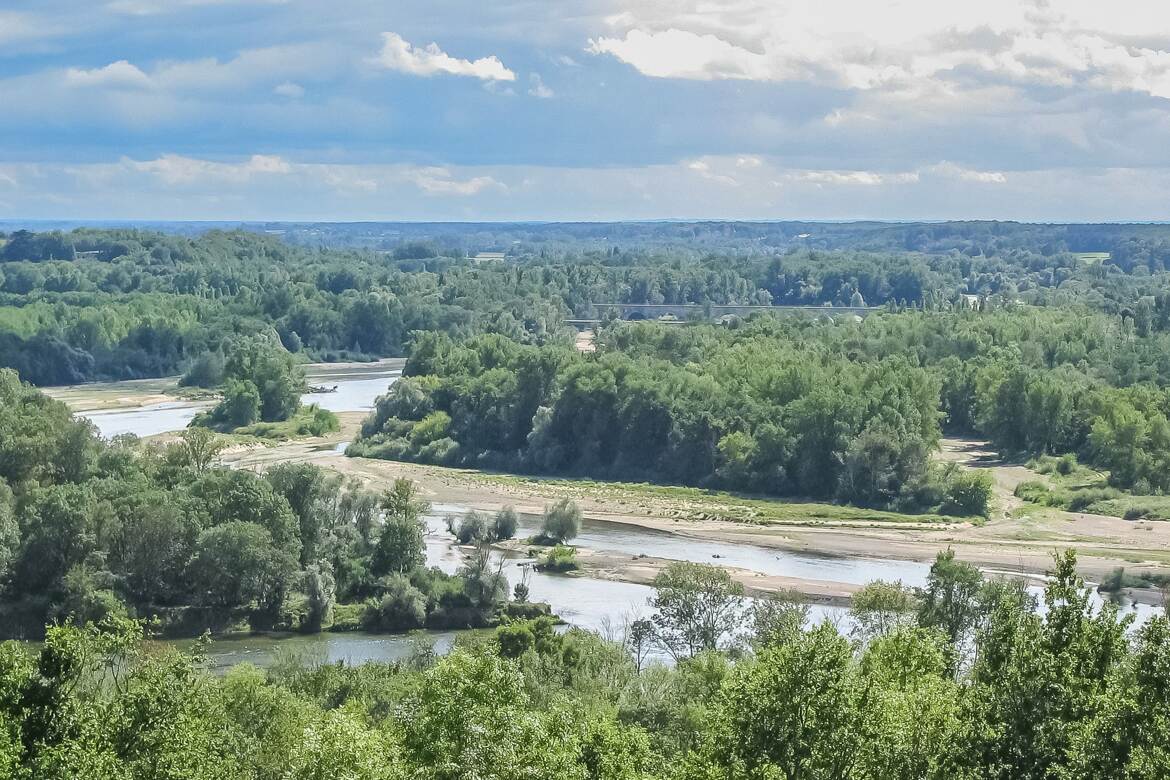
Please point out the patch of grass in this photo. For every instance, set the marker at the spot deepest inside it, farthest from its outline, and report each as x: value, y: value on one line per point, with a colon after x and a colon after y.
x: 308, y: 421
x: 1119, y: 579
x: 560, y: 558
x: 697, y: 504
x: 1134, y: 507
x: 1074, y: 499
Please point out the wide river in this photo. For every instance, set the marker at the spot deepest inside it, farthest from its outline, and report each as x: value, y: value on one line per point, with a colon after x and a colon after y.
x: 599, y: 605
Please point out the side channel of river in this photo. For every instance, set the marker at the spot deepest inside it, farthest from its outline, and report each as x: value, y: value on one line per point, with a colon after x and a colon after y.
x: 351, y: 388
x: 597, y: 605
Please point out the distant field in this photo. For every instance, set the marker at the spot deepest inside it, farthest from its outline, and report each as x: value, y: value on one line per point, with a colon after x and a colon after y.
x: 1094, y: 257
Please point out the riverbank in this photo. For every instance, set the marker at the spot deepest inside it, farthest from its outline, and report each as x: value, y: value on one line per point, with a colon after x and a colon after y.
x: 1017, y: 539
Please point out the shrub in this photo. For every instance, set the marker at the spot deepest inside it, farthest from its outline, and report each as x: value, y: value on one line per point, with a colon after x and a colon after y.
x: 470, y: 528
x: 968, y: 492
x: 559, y: 558
x: 205, y: 371
x: 562, y: 522
x: 505, y: 523
x: 402, y: 607
x: 240, y: 405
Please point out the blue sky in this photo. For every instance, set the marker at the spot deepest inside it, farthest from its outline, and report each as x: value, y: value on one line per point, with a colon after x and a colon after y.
x: 539, y: 109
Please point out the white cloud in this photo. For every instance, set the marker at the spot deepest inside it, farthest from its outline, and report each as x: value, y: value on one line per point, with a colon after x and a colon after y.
x: 537, y: 87
x: 119, y: 75
x: 264, y: 188
x: 16, y: 27
x: 176, y: 169
x: 864, y: 178
x: 439, y: 181
x: 898, y: 45
x: 951, y: 170
x: 399, y: 55
x: 289, y: 89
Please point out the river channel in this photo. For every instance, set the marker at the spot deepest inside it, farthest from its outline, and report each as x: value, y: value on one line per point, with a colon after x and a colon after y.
x: 594, y: 604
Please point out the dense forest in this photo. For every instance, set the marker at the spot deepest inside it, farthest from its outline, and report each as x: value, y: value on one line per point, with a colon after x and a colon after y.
x: 823, y: 409
x: 1047, y: 340
x: 962, y: 679
x: 93, y: 529
x: 121, y: 303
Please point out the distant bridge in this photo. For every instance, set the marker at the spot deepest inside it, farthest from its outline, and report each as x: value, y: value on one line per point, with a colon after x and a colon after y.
x: 696, y: 311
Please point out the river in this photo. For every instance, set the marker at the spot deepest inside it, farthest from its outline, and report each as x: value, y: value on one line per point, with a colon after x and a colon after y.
x: 598, y: 605
x: 357, y: 388
x: 594, y: 604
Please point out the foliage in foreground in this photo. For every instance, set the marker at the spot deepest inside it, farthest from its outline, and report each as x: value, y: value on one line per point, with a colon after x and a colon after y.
x: 1069, y: 694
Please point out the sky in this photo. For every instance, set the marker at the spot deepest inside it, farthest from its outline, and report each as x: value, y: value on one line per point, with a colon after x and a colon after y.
x: 1037, y: 110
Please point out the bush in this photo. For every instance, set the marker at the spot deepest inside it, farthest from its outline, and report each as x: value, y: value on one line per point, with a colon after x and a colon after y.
x: 968, y: 493
x: 505, y: 523
x: 403, y: 607
x: 240, y: 405
x: 562, y: 522
x: 470, y: 528
x: 559, y: 558
x: 205, y: 371
x: 1066, y: 465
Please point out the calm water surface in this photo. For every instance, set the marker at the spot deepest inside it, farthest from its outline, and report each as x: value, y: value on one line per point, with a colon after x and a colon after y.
x: 357, y: 388
x: 598, y: 605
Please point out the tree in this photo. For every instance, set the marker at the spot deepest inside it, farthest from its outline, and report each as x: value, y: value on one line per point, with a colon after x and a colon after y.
x: 471, y: 718
x: 697, y: 607
x: 237, y: 565
x: 401, y: 545
x: 307, y: 491
x: 402, y: 607
x: 778, y: 618
x: 1036, y: 680
x: 950, y: 601
x: 483, y: 579
x: 562, y: 521
x: 795, y: 713
x: 199, y: 448
x: 9, y: 532
x: 240, y: 405
x: 318, y: 584
x: 264, y: 362
x: 504, y: 524
x: 59, y: 532
x: 881, y: 607
x: 910, y: 713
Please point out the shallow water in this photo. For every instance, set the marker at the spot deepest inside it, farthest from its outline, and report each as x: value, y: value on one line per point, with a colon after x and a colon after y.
x: 357, y: 390
x: 633, y: 540
x: 353, y: 648
x: 144, y: 420
x: 597, y: 605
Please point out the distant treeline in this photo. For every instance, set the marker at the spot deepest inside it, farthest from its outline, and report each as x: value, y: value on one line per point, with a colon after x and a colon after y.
x: 121, y: 303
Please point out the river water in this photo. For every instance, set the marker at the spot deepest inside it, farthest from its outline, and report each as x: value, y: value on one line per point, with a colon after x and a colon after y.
x: 598, y: 605
x: 357, y: 387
